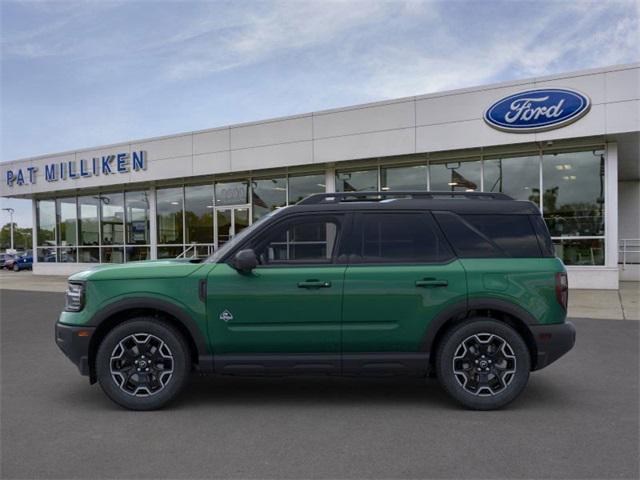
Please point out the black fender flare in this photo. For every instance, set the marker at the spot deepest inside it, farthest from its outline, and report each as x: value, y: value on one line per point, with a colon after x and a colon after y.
x: 131, y: 303
x: 462, y: 309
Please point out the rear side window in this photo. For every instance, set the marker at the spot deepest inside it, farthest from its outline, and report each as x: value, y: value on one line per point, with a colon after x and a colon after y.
x: 544, y: 238
x: 486, y: 236
x: 397, y: 237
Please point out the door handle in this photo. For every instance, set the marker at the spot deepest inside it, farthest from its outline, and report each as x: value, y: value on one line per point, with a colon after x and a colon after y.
x: 314, y: 284
x: 431, y: 282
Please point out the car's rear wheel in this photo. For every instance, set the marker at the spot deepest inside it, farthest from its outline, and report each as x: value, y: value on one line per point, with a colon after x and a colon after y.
x: 484, y: 364
x: 143, y: 363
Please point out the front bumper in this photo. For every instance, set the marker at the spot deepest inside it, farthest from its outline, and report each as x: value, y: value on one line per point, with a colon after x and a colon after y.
x: 552, y: 342
x: 74, y: 343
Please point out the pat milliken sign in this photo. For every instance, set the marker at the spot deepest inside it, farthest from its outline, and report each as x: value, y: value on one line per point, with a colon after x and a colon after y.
x: 537, y: 110
x: 105, y: 165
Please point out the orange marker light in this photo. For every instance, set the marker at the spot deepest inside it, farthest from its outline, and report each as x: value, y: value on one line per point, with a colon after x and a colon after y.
x: 84, y: 333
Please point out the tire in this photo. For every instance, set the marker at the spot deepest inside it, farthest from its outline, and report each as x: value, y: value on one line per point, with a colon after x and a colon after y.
x: 16, y: 268
x: 483, y: 364
x: 143, y: 363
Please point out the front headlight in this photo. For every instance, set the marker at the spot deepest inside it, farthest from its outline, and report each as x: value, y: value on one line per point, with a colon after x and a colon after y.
x: 74, y: 297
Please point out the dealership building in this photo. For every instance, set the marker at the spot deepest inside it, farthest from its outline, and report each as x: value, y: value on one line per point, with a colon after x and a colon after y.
x: 569, y: 143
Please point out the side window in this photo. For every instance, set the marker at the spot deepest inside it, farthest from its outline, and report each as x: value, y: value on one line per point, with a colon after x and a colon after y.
x: 400, y: 237
x: 467, y: 241
x: 514, y: 234
x: 301, y: 241
x: 489, y: 236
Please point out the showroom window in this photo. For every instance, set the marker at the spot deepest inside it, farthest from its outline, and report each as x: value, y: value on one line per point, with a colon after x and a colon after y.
x: 46, y: 231
x: 112, y: 227
x: 357, y: 181
x: 458, y: 176
x: 137, y: 234
x: 573, y: 204
x: 198, y: 214
x: 268, y: 194
x: 170, y: 221
x: 67, y: 223
x: 232, y: 193
x: 412, y: 177
x: 518, y: 177
x: 88, y: 229
x: 301, y: 186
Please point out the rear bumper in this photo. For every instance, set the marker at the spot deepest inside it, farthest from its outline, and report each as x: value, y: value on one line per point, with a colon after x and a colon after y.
x: 74, y: 343
x: 552, y: 342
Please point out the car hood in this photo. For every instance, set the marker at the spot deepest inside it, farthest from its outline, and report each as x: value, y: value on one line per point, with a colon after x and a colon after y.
x: 139, y: 270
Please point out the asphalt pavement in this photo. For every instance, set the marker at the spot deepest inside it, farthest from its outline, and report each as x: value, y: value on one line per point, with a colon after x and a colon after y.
x: 577, y: 418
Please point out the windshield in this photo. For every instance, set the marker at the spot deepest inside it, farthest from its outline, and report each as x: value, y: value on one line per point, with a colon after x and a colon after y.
x: 231, y: 244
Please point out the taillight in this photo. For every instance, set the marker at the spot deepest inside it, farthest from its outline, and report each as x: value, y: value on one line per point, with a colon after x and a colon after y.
x: 562, y: 289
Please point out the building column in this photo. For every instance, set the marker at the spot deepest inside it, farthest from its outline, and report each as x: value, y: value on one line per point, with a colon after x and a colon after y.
x: 34, y: 231
x: 153, y: 223
x: 611, y: 205
x: 330, y: 179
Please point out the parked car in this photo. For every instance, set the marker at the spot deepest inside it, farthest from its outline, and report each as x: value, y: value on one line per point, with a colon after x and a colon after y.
x: 465, y: 286
x: 23, y: 262
x: 7, y: 262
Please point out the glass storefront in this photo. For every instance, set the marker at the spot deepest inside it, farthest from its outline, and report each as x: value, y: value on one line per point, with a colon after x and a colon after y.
x: 357, y: 181
x: 518, y: 177
x: 267, y: 195
x: 198, y: 214
x: 115, y: 227
x: 414, y: 177
x: 458, y: 176
x: 301, y: 186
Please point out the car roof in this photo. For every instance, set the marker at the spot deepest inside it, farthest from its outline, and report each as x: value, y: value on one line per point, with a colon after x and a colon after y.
x: 457, y: 202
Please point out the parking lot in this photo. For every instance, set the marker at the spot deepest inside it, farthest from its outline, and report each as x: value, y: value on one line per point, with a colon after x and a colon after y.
x: 577, y: 419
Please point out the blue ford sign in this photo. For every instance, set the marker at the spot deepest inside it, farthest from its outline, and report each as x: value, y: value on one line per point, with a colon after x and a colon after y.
x: 537, y: 110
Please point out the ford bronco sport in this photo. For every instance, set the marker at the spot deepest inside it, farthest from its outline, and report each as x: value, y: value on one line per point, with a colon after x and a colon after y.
x: 463, y: 286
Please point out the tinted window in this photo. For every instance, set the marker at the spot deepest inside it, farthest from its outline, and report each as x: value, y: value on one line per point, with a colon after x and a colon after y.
x: 400, y: 237
x: 544, y: 239
x: 482, y: 236
x: 514, y: 234
x: 303, y: 240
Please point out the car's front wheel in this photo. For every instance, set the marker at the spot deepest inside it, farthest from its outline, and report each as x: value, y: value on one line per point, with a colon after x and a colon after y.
x: 143, y: 363
x: 484, y: 364
x: 16, y: 268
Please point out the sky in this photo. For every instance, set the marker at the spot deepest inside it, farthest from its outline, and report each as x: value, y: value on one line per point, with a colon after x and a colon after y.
x: 87, y: 73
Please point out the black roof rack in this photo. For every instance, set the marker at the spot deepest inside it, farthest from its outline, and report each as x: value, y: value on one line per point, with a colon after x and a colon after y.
x: 337, y: 197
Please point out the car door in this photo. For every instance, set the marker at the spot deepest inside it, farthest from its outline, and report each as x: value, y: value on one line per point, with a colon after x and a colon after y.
x: 286, y: 313
x: 401, y: 274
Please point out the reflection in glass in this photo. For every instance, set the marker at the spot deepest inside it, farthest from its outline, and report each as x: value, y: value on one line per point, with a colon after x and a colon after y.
x: 198, y: 213
x: 169, y: 252
x: 112, y: 218
x: 518, y: 177
x: 573, y: 200
x: 67, y: 213
x: 232, y: 193
x: 240, y: 220
x: 137, y: 217
x: 47, y: 254
x: 169, y: 206
x: 112, y: 255
x: 88, y: 220
x: 46, y: 218
x: 267, y: 195
x: 455, y: 176
x: 404, y: 178
x: 358, y: 181
x: 301, y: 186
x: 135, y: 254
x: 67, y: 254
x: 224, y: 225
x: 580, y: 252
x: 89, y: 255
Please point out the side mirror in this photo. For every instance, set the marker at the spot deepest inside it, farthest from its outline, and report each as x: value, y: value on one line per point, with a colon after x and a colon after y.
x: 245, y: 261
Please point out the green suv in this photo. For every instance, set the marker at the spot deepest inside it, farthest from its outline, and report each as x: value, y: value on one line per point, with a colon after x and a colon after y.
x: 462, y: 286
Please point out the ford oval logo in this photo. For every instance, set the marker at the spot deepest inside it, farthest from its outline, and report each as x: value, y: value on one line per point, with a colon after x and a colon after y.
x: 537, y: 110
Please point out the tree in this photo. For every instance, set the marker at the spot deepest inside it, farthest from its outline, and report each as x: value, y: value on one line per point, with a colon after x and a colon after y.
x: 21, y: 237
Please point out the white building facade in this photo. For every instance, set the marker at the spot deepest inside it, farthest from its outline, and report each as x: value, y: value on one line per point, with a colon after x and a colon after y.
x: 570, y: 143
